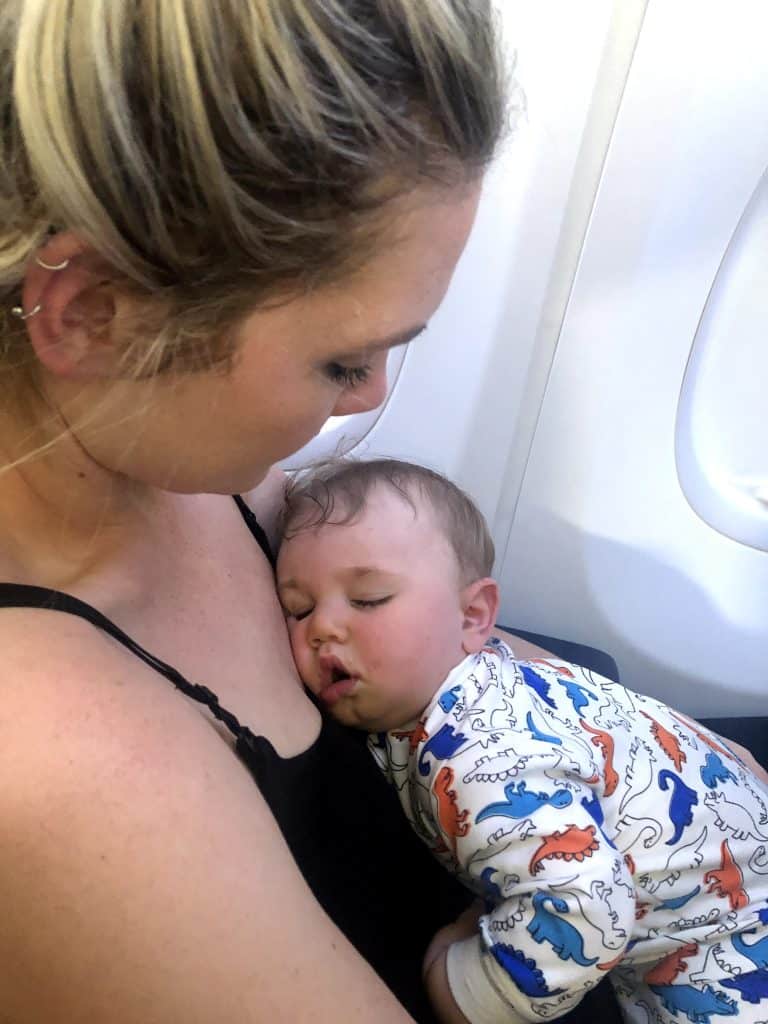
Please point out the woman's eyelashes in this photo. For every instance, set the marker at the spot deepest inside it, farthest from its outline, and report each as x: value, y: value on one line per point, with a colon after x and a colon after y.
x: 347, y: 376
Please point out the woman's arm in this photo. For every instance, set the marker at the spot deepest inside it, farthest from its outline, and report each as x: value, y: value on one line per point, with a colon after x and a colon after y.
x: 747, y: 758
x: 142, y: 878
x: 524, y: 650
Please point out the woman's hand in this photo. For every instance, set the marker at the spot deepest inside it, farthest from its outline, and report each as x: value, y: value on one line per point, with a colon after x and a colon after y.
x: 465, y: 925
x: 434, y: 969
x: 439, y: 991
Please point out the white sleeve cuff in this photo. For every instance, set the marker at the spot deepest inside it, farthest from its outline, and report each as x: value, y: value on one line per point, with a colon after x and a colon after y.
x: 472, y: 985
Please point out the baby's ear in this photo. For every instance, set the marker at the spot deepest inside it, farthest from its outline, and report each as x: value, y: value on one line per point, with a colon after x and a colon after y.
x: 480, y: 606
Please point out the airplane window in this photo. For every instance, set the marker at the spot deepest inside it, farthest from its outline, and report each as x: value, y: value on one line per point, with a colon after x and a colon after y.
x: 722, y: 438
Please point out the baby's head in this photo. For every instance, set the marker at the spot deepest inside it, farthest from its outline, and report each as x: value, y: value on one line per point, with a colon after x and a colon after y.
x: 384, y: 575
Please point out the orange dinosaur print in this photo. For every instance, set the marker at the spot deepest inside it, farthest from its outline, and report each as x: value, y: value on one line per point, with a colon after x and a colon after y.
x: 641, y: 909
x: 452, y: 821
x: 629, y: 860
x: 667, y: 969
x: 414, y: 736
x: 702, y: 735
x: 611, y: 963
x: 667, y: 741
x: 727, y: 883
x: 571, y: 844
x: 560, y: 669
x: 604, y: 741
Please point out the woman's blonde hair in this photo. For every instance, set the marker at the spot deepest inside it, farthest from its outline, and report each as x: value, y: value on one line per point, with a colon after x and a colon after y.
x: 217, y: 153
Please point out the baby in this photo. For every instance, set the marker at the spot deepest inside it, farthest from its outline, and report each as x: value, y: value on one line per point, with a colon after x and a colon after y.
x: 605, y: 831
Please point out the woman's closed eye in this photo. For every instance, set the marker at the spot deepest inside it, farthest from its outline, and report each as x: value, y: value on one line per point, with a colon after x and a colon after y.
x: 347, y: 376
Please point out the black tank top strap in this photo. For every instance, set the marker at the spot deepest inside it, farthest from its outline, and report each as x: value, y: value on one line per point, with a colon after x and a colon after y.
x: 20, y: 595
x: 256, y: 529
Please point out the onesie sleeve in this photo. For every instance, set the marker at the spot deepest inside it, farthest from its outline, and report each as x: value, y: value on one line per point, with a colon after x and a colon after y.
x: 563, y: 902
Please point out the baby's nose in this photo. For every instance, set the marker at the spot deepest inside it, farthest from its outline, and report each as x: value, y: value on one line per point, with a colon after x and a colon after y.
x: 325, y: 626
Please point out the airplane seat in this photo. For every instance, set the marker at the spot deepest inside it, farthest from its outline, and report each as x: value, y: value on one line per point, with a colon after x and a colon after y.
x: 750, y: 732
x: 578, y: 654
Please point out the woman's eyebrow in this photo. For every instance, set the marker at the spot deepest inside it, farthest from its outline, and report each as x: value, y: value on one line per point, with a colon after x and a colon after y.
x: 380, y: 344
x: 401, y: 338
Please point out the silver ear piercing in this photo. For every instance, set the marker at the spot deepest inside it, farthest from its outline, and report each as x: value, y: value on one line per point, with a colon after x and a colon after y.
x: 51, y: 266
x: 18, y: 311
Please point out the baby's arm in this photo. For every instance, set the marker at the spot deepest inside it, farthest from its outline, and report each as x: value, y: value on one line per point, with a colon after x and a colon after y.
x: 564, y: 899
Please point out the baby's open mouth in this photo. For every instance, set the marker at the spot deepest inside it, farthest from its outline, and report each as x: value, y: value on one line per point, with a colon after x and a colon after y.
x: 336, y: 681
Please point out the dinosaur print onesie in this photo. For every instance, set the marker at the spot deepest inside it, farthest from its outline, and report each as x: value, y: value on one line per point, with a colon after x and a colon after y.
x: 606, y: 833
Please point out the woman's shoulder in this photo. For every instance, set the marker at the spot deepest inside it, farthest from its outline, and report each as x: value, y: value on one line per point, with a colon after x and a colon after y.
x: 75, y: 702
x: 138, y: 854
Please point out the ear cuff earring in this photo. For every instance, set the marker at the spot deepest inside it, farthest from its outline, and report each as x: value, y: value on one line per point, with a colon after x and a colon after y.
x: 18, y: 311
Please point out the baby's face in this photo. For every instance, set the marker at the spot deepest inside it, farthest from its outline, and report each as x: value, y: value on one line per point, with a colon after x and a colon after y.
x: 374, y: 612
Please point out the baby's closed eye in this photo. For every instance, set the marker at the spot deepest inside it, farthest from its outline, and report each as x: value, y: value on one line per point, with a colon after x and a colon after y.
x: 370, y: 602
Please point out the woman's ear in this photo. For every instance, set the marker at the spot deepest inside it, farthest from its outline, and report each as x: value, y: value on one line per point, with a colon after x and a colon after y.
x: 70, y: 306
x: 480, y: 606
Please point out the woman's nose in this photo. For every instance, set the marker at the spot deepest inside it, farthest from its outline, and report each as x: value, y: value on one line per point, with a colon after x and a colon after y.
x: 365, y: 396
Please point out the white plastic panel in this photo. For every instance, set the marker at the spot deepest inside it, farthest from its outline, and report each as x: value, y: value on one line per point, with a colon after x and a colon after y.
x: 722, y: 428
x: 603, y: 545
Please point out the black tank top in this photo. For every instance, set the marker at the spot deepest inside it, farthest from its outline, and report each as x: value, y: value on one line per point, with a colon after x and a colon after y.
x: 339, y: 817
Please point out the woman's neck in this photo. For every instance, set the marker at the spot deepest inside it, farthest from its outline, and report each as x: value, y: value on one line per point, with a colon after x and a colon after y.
x: 62, y: 516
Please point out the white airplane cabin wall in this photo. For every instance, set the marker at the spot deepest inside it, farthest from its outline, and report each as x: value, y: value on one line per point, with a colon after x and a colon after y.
x: 603, y: 540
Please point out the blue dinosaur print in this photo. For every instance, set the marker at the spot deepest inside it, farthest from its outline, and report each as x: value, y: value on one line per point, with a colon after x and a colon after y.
x: 698, y: 1005
x: 753, y: 986
x: 442, y: 746
x: 538, y: 734
x: 578, y: 695
x: 757, y: 952
x: 490, y: 886
x: 537, y: 683
x: 713, y: 771
x: 450, y: 699
x: 681, y: 805
x: 523, y: 971
x: 762, y: 915
x: 564, y: 939
x: 520, y: 803
x: 676, y: 902
x: 594, y: 809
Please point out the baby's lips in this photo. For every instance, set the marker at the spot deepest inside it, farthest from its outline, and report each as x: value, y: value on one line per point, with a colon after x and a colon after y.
x: 330, y: 663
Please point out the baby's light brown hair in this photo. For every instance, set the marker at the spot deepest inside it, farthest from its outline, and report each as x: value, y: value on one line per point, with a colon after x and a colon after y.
x: 336, y: 491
